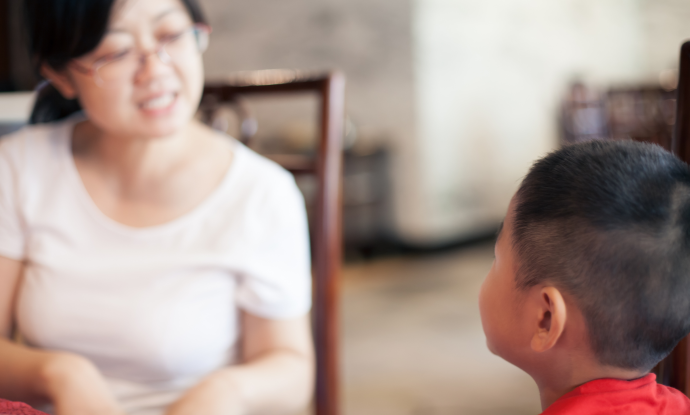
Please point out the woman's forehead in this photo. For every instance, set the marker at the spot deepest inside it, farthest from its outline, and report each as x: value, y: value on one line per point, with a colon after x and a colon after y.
x: 127, y: 13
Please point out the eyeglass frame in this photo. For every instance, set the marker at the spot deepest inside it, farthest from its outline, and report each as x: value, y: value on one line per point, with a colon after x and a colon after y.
x: 159, y: 51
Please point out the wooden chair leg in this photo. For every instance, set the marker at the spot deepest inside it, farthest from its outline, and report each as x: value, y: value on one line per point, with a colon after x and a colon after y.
x: 328, y: 263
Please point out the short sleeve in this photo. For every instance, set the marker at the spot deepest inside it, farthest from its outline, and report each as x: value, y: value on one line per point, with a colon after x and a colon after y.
x: 275, y: 281
x: 12, y: 233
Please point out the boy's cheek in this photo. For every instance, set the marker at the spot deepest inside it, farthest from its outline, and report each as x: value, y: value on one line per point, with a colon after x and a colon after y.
x: 485, y: 313
x: 487, y: 299
x: 496, y: 322
x: 482, y: 305
x: 494, y: 338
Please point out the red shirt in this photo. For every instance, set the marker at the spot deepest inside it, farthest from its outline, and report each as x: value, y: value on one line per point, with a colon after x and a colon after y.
x: 17, y: 408
x: 641, y: 396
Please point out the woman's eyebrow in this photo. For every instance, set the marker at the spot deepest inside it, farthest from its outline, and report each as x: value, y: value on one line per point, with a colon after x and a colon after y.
x: 166, y: 12
x: 158, y: 17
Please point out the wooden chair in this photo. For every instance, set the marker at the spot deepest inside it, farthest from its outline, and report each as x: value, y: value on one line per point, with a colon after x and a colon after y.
x: 642, y: 113
x: 326, y: 220
x: 675, y: 369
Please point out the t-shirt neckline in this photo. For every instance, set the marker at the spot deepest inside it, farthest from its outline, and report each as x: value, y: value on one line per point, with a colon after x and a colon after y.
x: 610, y: 384
x: 88, y: 202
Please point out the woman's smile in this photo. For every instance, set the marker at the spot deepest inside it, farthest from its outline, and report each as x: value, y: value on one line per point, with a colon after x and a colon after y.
x: 160, y: 104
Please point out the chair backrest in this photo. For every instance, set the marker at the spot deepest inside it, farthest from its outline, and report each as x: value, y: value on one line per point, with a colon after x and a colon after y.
x: 326, y: 221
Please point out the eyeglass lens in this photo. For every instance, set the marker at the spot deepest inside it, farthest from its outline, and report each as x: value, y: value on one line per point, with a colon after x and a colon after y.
x: 172, y: 51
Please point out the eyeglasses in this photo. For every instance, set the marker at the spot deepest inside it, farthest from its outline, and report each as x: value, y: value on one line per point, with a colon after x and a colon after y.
x: 171, y: 50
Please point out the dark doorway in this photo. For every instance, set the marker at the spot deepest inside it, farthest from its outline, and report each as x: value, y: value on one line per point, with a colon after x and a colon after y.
x: 5, y: 69
x: 16, y: 73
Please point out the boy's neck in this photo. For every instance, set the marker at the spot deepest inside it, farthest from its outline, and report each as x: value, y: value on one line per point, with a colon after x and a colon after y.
x: 551, y: 388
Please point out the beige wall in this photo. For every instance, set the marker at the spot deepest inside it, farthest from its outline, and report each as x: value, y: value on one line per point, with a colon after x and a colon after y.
x: 464, y: 91
x: 489, y: 78
x: 367, y: 39
x: 665, y: 24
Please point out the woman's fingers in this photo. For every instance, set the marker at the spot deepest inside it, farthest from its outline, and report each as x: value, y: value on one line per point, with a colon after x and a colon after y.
x: 76, y: 387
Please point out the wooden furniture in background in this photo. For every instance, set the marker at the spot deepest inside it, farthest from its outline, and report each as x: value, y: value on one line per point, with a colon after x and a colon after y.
x: 326, y: 223
x: 681, y: 134
x: 642, y: 113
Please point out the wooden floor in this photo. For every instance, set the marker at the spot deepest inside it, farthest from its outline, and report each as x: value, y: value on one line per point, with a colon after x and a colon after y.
x: 413, y: 342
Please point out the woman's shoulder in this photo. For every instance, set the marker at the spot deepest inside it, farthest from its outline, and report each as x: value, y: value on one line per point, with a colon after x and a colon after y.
x: 261, y: 182
x: 36, y: 140
x: 259, y: 169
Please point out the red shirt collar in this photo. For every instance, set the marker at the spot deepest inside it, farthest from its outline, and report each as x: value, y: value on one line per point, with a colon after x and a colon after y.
x: 611, y: 385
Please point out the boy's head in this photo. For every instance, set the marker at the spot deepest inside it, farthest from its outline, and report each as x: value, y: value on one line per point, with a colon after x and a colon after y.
x: 606, y: 224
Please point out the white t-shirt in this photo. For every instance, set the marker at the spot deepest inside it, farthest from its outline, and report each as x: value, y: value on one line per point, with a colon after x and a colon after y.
x: 155, y: 308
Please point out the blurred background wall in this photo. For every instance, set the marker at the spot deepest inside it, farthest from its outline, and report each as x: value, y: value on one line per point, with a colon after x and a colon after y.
x: 461, y: 94
x: 489, y: 76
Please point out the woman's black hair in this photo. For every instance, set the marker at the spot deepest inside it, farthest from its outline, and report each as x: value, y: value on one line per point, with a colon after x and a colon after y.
x: 61, y: 30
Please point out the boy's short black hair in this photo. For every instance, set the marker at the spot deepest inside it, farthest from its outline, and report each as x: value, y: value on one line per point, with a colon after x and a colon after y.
x: 608, y: 222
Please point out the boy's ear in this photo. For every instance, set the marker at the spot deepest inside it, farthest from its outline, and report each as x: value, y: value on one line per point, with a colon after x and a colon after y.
x: 550, y: 319
x: 60, y: 81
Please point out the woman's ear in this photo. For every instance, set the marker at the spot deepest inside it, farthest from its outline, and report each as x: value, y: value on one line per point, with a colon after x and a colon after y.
x: 550, y: 320
x: 60, y: 81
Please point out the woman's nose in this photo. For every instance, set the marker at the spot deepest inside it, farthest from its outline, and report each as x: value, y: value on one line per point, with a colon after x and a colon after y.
x: 153, y: 63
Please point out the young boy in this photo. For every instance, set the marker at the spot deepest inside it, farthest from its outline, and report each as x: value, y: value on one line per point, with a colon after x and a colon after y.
x: 590, y: 287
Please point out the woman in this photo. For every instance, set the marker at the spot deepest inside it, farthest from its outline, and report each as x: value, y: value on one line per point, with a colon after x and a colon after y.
x: 134, y: 241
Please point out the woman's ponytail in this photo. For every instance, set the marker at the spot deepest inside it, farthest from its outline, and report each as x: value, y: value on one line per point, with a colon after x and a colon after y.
x: 50, y: 105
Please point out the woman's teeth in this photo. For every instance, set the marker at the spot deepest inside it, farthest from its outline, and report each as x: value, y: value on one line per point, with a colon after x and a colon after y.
x: 160, y: 102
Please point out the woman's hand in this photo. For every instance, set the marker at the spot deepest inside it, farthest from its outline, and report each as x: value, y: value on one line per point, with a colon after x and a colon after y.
x: 70, y: 382
x: 215, y: 395
x: 76, y: 387
x: 275, y: 374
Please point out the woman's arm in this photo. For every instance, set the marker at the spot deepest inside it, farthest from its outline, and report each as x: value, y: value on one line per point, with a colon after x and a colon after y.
x: 276, y: 376
x: 20, y: 367
x: 70, y: 382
